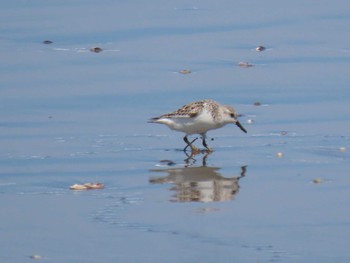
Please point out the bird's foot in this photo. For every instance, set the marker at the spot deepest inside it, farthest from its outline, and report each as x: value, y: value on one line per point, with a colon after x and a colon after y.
x: 208, y: 150
x: 195, y: 150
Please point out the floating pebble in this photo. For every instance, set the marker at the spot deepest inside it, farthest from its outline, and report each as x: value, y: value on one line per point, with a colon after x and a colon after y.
x: 36, y: 257
x: 342, y: 149
x: 87, y: 186
x: 47, y: 42
x: 318, y: 180
x: 96, y: 49
x: 280, y: 154
x: 260, y: 48
x: 245, y: 64
x: 257, y: 103
x: 185, y: 71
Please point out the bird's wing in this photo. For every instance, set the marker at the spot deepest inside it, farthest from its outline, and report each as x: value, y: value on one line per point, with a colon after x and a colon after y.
x: 190, y: 110
x: 187, y: 111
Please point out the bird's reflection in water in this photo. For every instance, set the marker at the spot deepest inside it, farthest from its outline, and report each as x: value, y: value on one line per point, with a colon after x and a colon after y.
x: 198, y: 184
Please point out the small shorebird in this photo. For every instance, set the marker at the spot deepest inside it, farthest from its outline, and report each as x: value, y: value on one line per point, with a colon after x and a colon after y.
x: 197, y: 118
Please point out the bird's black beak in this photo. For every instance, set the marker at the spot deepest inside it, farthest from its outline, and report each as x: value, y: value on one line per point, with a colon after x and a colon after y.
x: 240, y: 126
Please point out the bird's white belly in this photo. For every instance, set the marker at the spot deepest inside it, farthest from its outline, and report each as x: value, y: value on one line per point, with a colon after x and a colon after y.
x: 194, y: 125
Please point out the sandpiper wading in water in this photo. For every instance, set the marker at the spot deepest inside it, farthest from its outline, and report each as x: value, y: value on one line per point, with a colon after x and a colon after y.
x: 198, y: 118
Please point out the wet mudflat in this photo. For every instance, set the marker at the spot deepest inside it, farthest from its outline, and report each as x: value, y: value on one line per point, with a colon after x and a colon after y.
x: 79, y: 82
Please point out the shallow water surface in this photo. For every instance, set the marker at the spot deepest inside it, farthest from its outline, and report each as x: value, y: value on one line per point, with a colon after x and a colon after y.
x: 279, y: 193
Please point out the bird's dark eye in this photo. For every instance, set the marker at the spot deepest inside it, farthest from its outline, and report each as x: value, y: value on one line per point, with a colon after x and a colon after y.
x: 232, y: 115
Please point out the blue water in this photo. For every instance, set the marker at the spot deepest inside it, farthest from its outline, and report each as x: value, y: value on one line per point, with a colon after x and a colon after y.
x: 68, y: 115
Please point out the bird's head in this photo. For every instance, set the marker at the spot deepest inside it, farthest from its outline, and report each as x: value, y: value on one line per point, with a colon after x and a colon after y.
x: 231, y: 116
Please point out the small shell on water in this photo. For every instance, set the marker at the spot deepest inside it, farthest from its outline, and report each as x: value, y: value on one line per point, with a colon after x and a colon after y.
x: 94, y: 186
x: 36, y: 257
x: 342, y: 149
x: 260, y: 48
x: 280, y: 154
x: 87, y: 186
x: 318, y: 180
x: 243, y: 64
x: 185, y: 71
x: 78, y: 187
x: 96, y: 49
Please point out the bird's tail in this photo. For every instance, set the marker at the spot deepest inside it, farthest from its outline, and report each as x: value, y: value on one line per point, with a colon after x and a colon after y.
x: 153, y: 120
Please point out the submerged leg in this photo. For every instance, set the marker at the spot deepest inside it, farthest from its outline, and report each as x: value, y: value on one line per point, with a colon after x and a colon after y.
x: 205, y: 143
x: 189, y: 144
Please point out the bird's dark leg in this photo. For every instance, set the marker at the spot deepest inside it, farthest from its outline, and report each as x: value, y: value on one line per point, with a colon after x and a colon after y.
x: 189, y: 144
x: 205, y: 143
